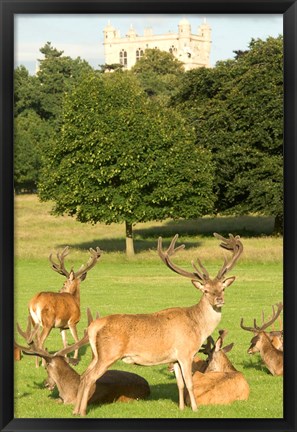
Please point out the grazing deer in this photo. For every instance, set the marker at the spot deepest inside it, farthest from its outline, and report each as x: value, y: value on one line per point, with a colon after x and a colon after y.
x: 171, y: 335
x: 262, y: 343
x: 61, y: 310
x: 111, y: 387
x: 216, y: 380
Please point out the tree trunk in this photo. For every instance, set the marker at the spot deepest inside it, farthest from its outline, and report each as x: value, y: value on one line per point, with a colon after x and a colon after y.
x: 129, y: 240
x: 278, y: 224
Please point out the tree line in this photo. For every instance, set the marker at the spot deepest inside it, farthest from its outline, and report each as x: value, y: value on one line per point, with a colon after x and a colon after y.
x: 154, y: 142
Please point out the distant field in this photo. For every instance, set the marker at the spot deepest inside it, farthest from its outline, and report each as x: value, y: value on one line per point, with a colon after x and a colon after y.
x: 144, y: 284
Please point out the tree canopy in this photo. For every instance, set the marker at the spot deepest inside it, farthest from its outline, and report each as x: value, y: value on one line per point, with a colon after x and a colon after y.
x: 38, y: 102
x: 159, y: 73
x: 121, y: 158
x: 237, y: 111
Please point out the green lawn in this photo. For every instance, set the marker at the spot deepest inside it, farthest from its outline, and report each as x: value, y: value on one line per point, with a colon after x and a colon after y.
x: 144, y: 284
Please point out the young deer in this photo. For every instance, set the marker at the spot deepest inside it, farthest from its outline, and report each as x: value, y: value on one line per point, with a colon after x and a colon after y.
x: 61, y: 310
x: 262, y: 343
x: 171, y: 335
x: 216, y: 381
x: 113, y: 386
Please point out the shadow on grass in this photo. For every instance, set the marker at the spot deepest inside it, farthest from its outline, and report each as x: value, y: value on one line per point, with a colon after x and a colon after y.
x: 248, y: 226
x: 255, y: 363
x: 146, y: 238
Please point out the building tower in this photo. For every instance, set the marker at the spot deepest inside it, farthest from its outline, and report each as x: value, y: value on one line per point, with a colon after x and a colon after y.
x: 191, y: 49
x: 184, y: 37
x: 109, y: 34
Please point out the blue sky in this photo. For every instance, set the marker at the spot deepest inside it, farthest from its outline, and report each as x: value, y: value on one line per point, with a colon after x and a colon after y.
x: 82, y: 35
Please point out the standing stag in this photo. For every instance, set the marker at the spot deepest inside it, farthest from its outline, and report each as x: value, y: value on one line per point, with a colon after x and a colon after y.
x: 262, y: 343
x: 113, y: 386
x: 171, y: 335
x: 61, y: 310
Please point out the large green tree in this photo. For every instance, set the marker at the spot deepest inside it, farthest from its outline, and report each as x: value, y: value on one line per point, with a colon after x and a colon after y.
x: 160, y: 73
x: 32, y: 137
x: 121, y: 157
x: 38, y: 106
x: 237, y: 111
x: 57, y: 74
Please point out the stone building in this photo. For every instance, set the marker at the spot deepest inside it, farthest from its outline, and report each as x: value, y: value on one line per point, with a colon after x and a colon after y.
x: 191, y: 49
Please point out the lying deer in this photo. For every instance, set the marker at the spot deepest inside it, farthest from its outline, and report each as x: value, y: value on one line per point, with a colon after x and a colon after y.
x: 262, y: 343
x: 276, y: 336
x: 113, y: 386
x: 216, y: 380
x: 61, y: 310
x: 171, y: 335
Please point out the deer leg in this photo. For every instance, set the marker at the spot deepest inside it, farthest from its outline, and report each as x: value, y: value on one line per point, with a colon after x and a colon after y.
x: 82, y: 384
x: 186, y: 368
x: 72, y: 328
x: 87, y: 380
x: 180, y: 385
x: 44, y: 334
x: 64, y: 338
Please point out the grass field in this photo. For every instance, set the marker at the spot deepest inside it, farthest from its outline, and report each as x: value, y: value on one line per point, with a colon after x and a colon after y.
x: 144, y: 284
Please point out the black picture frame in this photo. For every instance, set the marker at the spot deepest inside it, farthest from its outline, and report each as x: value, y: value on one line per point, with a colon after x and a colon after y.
x: 7, y: 10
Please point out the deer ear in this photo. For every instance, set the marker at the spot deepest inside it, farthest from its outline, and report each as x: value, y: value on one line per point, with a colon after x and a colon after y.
x: 228, y: 347
x: 218, y: 344
x: 227, y: 282
x: 198, y: 285
x: 71, y: 275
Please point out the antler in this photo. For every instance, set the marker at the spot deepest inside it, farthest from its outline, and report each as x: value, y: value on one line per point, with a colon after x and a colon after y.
x: 28, y: 335
x: 32, y: 349
x: 232, y: 244
x: 95, y: 255
x: 200, y: 275
x: 90, y: 316
x: 275, y: 314
x: 257, y: 329
x: 60, y: 267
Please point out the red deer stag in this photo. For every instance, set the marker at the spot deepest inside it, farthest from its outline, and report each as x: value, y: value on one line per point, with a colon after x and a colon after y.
x: 171, y: 335
x: 262, y: 343
x: 276, y: 336
x: 61, y: 310
x: 113, y: 386
x: 216, y: 380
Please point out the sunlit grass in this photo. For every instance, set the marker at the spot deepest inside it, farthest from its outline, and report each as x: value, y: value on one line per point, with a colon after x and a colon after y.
x: 144, y: 284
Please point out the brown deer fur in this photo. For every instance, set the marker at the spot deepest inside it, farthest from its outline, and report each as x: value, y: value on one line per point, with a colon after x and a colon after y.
x: 113, y: 386
x: 17, y: 353
x: 271, y: 356
x: 264, y: 342
x: 216, y: 381
x: 61, y: 310
x: 171, y: 335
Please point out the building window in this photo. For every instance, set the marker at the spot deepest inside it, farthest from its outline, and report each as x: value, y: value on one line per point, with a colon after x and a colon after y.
x: 123, y: 57
x: 139, y: 54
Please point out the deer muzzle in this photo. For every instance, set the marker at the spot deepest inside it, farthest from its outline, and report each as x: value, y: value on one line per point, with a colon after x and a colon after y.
x: 219, y: 302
